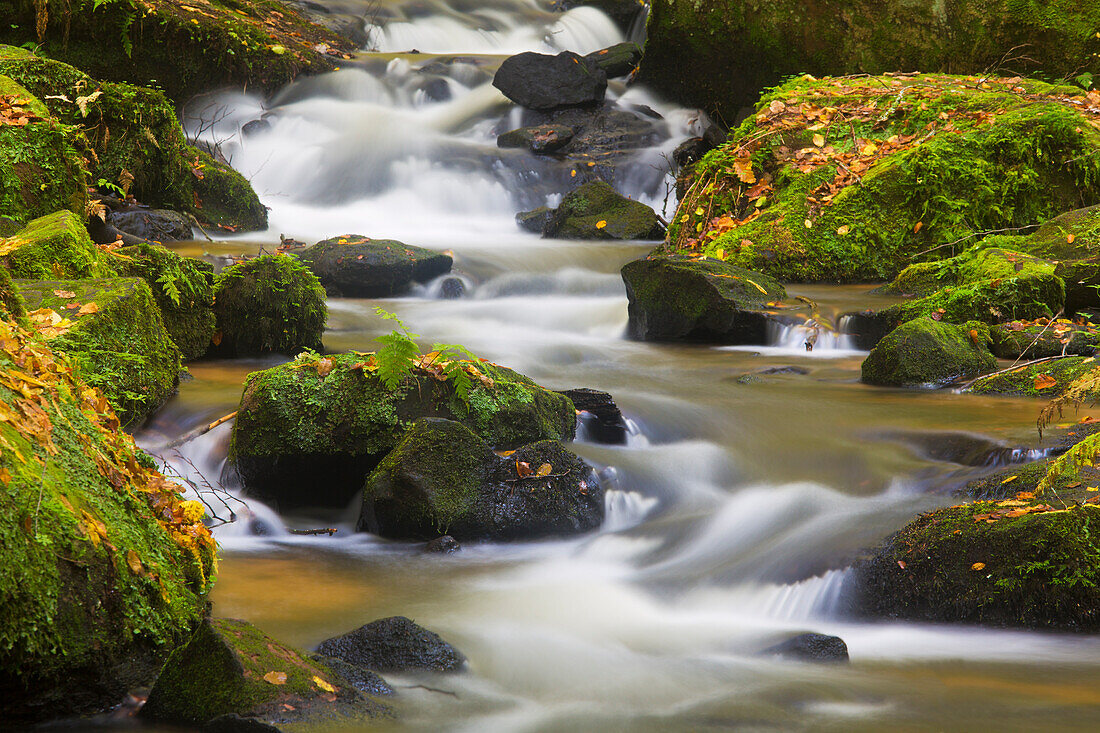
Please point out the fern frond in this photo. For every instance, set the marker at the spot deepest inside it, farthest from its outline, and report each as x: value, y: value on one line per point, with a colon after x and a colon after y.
x: 395, y: 359
x: 167, y: 282
x: 1069, y: 464
x: 1086, y: 388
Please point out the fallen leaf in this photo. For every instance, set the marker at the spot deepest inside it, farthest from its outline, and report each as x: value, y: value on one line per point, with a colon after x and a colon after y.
x: 918, y: 226
x: 523, y: 469
x: 843, y: 230
x: 978, y: 566
x: 601, y: 224
x: 757, y: 286
x: 64, y: 294
x: 901, y: 564
x: 134, y: 562
x: 87, y: 309
x: 324, y: 366
x: 322, y: 684
x: 1070, y: 238
x: 1010, y: 479
x: 276, y: 678
x: 544, y: 470
x: 819, y: 140
x: 1045, y: 381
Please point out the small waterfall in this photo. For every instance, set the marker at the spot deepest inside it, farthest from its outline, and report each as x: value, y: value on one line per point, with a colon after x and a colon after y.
x: 811, y: 337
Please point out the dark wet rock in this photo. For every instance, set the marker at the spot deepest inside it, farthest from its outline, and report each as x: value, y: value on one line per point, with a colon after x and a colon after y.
x: 443, y: 476
x: 597, y: 211
x: 867, y: 328
x: 683, y: 299
x: 617, y: 60
x: 811, y: 648
x: 694, y: 148
x: 608, y: 133
x: 966, y: 449
x: 535, y: 220
x: 785, y: 370
x: 8, y: 226
x: 355, y: 266
x: 607, y: 424
x: 926, y: 352
x: 394, y: 644
x: 452, y: 288
x: 232, y: 668
x: 443, y: 545
x: 236, y: 724
x: 436, y: 90
x: 1017, y: 340
x: 543, y: 82
x: 1082, y: 279
x: 255, y: 127
x: 539, y: 139
x: 361, y: 678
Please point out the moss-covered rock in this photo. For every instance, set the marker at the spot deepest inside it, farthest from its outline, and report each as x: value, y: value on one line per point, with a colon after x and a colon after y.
x: 53, y: 246
x: 186, y: 48
x: 41, y: 168
x: 360, y: 267
x: 926, y: 352
x: 684, y: 299
x: 231, y: 667
x: 921, y: 164
x: 1046, y: 379
x: 308, y: 433
x: 595, y: 210
x: 1073, y: 235
x: 111, y: 330
x: 1028, y: 340
x: 105, y: 569
x: 184, y: 291
x: 134, y: 134
x: 720, y: 54
x: 443, y: 478
x: 12, y: 306
x: 269, y: 304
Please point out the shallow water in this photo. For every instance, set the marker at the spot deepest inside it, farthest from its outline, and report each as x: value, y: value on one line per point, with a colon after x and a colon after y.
x: 734, y: 507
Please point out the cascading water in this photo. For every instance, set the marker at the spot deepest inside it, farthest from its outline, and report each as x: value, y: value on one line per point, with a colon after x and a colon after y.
x: 748, y: 480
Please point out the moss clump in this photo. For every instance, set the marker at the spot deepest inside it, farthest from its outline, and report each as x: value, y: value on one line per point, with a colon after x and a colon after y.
x: 595, y: 210
x: 231, y: 667
x: 120, y: 347
x: 720, y: 54
x: 187, y: 49
x: 53, y: 246
x: 12, y: 306
x: 1047, y: 379
x: 184, y: 291
x: 925, y: 352
x: 1026, y: 340
x: 269, y: 304
x: 1074, y: 235
x: 41, y: 168
x: 105, y: 568
x: 133, y: 133
x: 295, y: 423
x: 919, y: 163
x: 680, y: 298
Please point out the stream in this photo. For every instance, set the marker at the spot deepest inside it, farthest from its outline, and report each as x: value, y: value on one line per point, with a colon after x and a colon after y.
x: 750, y: 478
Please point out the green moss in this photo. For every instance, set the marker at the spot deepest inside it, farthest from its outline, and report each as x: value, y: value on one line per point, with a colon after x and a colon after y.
x: 122, y: 348
x: 584, y: 209
x: 54, y: 246
x: 41, y: 168
x: 1002, y: 160
x: 96, y: 592
x: 186, y: 49
x: 925, y: 352
x: 184, y: 291
x: 269, y: 304
x: 719, y: 54
x: 1073, y: 235
x: 226, y: 669
x: 1021, y: 381
x: 133, y: 132
x: 12, y: 305
x: 1034, y: 341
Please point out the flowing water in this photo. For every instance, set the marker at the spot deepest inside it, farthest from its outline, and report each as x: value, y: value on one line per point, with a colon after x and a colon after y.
x: 750, y: 478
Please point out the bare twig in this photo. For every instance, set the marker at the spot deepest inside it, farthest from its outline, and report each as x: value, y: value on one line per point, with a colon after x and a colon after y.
x: 203, y: 430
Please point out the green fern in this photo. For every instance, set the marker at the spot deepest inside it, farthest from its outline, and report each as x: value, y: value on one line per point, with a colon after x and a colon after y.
x: 168, y: 286
x: 400, y: 353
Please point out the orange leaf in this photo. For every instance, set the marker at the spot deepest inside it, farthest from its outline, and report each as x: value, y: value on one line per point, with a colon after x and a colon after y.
x: 544, y: 470
x: 917, y: 227
x: 324, y: 366
x: 134, y: 562
x: 87, y: 309
x: 523, y: 469
x: 1045, y: 381
x: 978, y: 566
x: 276, y: 678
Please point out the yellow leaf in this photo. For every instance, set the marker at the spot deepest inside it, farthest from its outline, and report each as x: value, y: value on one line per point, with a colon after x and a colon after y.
x: 699, y: 211
x: 279, y: 678
x: 134, y: 562
x: 978, y: 566
x: 192, y: 510
x: 743, y: 168
x: 87, y: 309
x: 868, y: 149
x: 762, y: 290
x: 322, y: 684
x: 572, y: 174
x: 809, y: 224
x: 1010, y: 479
x: 819, y: 140
x: 544, y: 470
x: 64, y: 294
x: 1070, y: 238
x: 601, y: 224
x: 843, y: 230
x: 720, y: 253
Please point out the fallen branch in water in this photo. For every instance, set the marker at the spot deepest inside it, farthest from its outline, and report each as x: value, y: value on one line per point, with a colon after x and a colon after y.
x: 1012, y: 368
x: 188, y: 437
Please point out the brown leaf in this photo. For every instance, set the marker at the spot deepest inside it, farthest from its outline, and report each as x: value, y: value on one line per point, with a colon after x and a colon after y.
x: 324, y: 366
x: 64, y: 294
x: 544, y: 470
x: 1045, y: 381
x: 134, y: 562
x: 523, y: 469
x: 978, y: 566
x: 88, y: 309
x: 901, y: 564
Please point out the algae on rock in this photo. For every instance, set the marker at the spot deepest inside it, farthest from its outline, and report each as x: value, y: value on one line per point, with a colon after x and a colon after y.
x: 53, y: 246
x: 926, y: 352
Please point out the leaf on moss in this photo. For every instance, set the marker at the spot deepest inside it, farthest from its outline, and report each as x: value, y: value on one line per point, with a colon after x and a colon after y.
x: 276, y: 678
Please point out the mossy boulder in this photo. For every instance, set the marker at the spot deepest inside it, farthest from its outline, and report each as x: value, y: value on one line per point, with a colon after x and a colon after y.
x: 443, y: 478
x: 12, y: 305
x: 720, y: 54
x: 105, y: 569
x: 268, y: 304
x: 187, y: 49
x: 708, y: 300
x: 1046, y: 379
x: 926, y: 352
x: 184, y: 290
x: 1072, y: 235
x: 137, y: 142
x: 355, y: 266
x: 232, y: 668
x: 53, y: 246
x: 111, y: 330
x: 41, y: 166
x: 309, y: 432
x: 1029, y: 340
x: 922, y: 165
x: 595, y: 210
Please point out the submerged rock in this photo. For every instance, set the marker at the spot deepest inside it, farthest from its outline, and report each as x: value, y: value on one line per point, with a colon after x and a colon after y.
x: 268, y: 304
x: 540, y: 81
x: 232, y: 668
x: 54, y: 246
x: 306, y: 438
x: 925, y: 352
x: 355, y: 266
x: 116, y: 339
x: 105, y: 569
x: 535, y: 220
x: 683, y: 299
x: 444, y: 545
x: 597, y: 211
x: 811, y: 648
x: 444, y: 477
x: 394, y: 644
x: 538, y: 139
